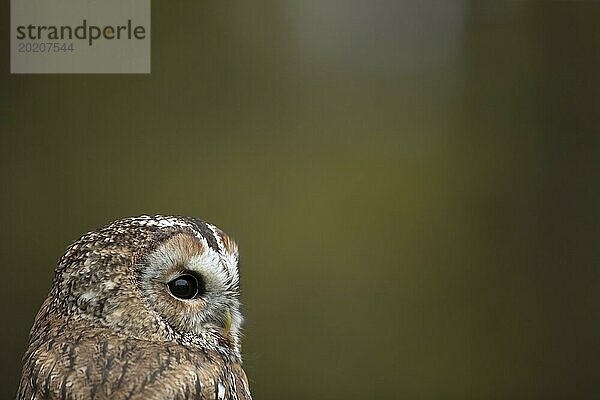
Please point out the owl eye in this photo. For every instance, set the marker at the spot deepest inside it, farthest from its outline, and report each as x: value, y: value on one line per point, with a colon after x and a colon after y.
x: 186, y: 286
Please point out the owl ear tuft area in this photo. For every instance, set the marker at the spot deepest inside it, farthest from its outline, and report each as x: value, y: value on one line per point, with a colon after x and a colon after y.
x: 229, y: 244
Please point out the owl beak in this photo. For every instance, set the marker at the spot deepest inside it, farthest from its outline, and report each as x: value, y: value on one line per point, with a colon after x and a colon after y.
x: 228, y: 322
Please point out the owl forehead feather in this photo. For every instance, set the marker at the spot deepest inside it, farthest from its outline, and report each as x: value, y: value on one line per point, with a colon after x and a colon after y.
x: 211, y: 237
x: 142, y: 234
x: 204, y: 231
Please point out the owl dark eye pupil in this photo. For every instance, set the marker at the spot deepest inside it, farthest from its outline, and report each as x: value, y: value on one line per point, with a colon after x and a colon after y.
x: 185, y: 286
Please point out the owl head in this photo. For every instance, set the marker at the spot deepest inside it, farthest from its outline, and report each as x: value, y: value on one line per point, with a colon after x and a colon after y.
x: 158, y: 278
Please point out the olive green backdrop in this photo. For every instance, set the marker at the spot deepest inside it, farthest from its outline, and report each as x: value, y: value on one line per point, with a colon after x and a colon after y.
x: 413, y: 186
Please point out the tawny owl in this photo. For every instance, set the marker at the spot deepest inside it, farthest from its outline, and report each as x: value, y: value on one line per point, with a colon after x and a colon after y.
x: 144, y: 308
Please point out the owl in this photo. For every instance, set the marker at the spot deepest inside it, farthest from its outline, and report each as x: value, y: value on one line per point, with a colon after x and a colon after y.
x: 143, y: 308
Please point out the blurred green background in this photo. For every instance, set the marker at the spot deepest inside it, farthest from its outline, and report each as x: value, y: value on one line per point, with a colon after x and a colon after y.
x: 413, y: 186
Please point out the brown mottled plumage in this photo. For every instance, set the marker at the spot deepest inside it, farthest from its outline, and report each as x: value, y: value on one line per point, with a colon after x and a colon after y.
x: 114, y: 327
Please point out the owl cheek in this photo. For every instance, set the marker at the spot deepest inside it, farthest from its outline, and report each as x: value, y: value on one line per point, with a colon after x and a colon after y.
x: 185, y: 315
x: 228, y: 321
